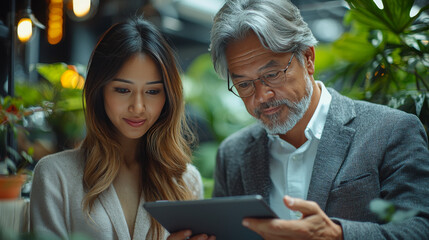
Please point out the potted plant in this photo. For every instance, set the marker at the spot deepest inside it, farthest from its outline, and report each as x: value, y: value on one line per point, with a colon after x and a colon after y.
x: 13, y: 172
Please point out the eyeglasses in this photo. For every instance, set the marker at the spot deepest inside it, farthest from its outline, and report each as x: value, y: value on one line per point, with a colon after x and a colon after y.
x: 246, y: 88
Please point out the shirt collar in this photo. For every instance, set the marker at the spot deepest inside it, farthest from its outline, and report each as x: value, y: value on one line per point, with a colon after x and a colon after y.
x: 317, y: 122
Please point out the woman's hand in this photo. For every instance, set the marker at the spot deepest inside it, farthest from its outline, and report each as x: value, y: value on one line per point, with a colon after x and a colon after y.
x: 185, y: 234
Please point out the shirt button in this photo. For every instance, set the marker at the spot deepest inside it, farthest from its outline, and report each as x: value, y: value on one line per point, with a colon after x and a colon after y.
x: 293, y: 157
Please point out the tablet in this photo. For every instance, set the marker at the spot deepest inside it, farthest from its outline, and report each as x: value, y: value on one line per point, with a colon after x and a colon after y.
x: 221, y: 216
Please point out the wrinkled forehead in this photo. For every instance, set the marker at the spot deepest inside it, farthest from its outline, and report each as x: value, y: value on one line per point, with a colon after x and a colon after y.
x: 248, y: 53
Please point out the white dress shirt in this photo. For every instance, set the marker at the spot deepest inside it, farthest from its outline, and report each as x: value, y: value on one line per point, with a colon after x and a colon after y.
x: 290, y: 167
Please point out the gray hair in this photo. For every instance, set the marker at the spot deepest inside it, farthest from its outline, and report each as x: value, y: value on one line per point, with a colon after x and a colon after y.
x: 277, y: 23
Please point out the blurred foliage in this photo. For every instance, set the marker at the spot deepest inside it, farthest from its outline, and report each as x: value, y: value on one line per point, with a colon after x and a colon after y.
x: 204, y: 158
x: 324, y: 60
x: 7, y: 234
x: 63, y: 90
x: 13, y: 116
x: 207, y: 93
x: 224, y: 113
x: 384, y: 57
x: 208, y: 184
x: 388, y: 212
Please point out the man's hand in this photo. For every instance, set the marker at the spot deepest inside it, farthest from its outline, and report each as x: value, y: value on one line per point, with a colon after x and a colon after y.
x: 185, y: 234
x: 314, y: 224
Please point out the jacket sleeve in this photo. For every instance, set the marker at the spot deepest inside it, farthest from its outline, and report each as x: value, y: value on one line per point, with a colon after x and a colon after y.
x: 47, y: 202
x: 220, y: 188
x: 404, y: 178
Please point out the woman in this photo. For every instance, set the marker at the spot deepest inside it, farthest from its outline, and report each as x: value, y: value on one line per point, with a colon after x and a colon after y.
x: 136, y: 148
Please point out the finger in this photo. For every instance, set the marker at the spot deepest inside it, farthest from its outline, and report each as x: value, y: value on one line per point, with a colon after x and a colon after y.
x: 180, y: 235
x: 273, y: 229
x: 268, y: 227
x: 200, y: 237
x: 305, y: 207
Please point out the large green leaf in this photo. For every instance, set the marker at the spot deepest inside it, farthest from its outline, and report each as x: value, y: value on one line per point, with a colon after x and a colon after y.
x: 395, y: 15
x: 354, y: 48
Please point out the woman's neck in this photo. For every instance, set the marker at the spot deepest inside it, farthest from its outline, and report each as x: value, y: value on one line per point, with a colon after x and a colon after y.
x: 130, y: 151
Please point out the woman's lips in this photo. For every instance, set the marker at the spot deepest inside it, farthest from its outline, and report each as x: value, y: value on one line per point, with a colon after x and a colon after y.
x: 134, y: 123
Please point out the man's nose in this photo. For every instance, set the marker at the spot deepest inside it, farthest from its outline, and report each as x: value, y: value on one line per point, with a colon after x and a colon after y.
x: 263, y: 92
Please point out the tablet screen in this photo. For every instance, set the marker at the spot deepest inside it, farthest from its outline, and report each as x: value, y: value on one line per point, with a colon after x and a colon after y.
x: 221, y: 216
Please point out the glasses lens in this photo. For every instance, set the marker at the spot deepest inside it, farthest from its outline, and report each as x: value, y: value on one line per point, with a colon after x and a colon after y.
x: 244, y: 88
x: 274, y: 78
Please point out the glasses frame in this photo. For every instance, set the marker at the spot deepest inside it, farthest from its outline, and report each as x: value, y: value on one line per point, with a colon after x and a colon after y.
x: 259, y: 78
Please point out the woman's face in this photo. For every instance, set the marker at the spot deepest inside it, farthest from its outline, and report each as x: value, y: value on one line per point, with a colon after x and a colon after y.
x: 134, y: 98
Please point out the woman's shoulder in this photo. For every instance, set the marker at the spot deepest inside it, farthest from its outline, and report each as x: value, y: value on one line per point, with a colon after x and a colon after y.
x: 65, y: 161
x: 193, y: 180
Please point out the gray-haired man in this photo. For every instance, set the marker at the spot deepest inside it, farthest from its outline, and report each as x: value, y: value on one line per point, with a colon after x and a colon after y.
x: 317, y: 157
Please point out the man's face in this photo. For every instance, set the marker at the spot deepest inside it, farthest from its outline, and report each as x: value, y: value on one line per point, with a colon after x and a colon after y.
x: 279, y: 108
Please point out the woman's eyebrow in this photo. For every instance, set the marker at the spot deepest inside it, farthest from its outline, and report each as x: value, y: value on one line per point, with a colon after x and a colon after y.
x: 122, y: 80
x: 155, y: 82
x: 131, y: 82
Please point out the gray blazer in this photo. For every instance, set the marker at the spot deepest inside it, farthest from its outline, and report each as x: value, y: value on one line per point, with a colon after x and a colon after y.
x: 366, y: 151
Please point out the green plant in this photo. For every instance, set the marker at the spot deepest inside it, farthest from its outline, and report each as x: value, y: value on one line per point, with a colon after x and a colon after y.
x: 385, y: 56
x: 10, y: 235
x: 388, y: 212
x: 12, y: 114
x: 208, y: 96
x: 60, y: 85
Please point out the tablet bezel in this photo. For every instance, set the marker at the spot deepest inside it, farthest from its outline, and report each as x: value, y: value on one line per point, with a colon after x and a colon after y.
x: 220, y: 216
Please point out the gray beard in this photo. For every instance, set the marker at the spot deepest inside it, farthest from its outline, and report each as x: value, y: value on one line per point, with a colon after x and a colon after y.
x: 296, y: 112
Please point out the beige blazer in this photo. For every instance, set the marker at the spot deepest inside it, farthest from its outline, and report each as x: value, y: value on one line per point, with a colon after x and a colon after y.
x: 56, y: 202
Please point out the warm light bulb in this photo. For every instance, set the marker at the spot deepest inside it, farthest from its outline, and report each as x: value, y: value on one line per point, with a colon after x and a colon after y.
x: 25, y: 29
x: 72, y: 79
x: 81, y: 7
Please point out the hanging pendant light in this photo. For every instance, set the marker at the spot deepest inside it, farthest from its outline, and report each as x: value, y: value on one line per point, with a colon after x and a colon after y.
x: 27, y: 23
x: 81, y: 10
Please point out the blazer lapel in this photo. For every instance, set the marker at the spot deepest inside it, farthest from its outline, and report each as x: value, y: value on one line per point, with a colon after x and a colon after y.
x: 111, y: 204
x: 333, y: 148
x: 255, y: 166
x: 142, y: 224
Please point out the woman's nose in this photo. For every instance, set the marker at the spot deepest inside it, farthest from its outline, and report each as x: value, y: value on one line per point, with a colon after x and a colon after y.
x: 137, y: 104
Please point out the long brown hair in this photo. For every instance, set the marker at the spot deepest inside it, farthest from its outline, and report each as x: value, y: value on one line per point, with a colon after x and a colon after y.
x: 165, y: 147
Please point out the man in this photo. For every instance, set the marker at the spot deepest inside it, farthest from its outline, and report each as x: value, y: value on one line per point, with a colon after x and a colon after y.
x: 318, y: 158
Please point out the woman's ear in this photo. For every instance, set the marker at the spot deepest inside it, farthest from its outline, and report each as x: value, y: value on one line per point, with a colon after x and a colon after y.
x: 309, y: 56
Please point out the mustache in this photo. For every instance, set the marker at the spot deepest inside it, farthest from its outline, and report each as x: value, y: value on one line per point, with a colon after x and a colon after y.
x: 274, y: 103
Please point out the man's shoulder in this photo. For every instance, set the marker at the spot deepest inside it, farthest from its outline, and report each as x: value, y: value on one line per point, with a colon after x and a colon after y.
x: 362, y: 108
x: 245, y: 135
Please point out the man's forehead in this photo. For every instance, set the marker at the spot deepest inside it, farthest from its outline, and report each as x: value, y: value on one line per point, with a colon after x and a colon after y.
x: 247, y: 51
x: 245, y: 48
